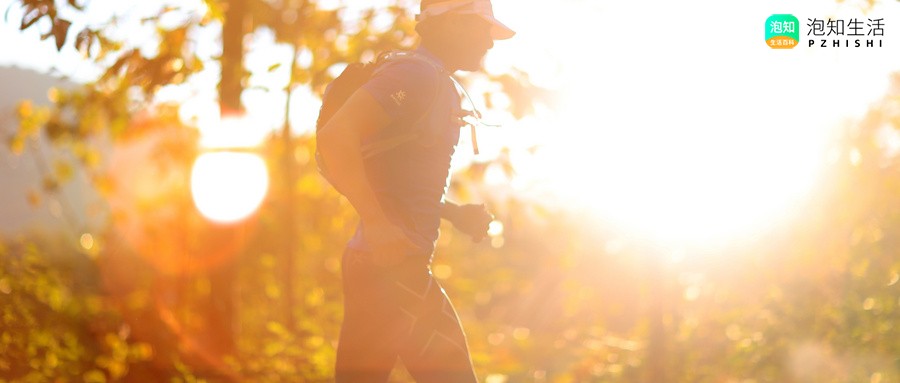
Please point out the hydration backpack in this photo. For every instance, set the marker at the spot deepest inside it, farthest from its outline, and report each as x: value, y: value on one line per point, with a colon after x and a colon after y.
x: 350, y: 80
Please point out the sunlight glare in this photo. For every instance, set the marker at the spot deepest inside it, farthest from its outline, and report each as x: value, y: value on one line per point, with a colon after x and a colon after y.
x: 662, y: 135
x: 228, y: 186
x: 228, y: 132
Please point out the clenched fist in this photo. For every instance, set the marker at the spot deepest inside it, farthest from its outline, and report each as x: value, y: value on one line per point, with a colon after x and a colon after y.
x: 473, y: 220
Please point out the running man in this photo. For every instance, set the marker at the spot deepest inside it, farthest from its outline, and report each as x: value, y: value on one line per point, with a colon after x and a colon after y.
x: 393, y: 306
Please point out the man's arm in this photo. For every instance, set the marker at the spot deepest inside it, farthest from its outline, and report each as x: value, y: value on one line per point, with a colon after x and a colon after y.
x: 339, y: 143
x: 340, y: 146
x: 449, y: 210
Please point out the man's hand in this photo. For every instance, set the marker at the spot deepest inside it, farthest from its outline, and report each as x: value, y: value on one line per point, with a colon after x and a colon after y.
x: 388, y: 244
x: 473, y: 220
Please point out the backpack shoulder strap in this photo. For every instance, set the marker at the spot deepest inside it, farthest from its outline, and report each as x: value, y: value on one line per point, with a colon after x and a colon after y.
x: 374, y: 148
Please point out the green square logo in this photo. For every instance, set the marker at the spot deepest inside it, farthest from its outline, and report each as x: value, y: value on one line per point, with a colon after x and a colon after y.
x: 782, y: 31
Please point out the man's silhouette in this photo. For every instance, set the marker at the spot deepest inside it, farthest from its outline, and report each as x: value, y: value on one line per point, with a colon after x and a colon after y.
x: 393, y: 306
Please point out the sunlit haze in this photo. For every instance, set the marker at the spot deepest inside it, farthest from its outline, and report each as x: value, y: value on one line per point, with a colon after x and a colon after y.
x: 676, y: 122
x: 663, y: 192
x: 672, y: 120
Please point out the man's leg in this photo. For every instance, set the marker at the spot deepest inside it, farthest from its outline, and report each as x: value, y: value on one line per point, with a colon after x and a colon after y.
x: 435, y: 349
x: 372, y: 332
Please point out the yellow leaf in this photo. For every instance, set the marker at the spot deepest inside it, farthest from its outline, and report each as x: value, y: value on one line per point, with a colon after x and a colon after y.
x: 64, y: 171
x: 17, y: 144
x: 104, y: 184
x: 273, y: 348
x: 142, y: 351
x: 315, y: 342
x: 53, y: 95
x: 316, y: 297
x: 277, y: 329
x: 94, y: 376
x: 117, y: 369
x: 51, y: 360
x: 272, y: 291
x: 25, y: 109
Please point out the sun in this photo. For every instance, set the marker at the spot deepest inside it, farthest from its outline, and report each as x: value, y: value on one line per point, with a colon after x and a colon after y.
x: 229, y: 180
x: 227, y: 186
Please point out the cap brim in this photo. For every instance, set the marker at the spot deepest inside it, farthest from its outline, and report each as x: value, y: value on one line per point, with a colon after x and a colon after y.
x: 498, y: 30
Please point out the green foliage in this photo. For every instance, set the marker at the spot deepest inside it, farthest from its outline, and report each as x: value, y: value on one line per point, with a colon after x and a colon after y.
x: 54, y: 331
x: 815, y: 303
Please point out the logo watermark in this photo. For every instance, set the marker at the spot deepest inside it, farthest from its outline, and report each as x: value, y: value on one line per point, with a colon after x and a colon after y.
x: 850, y: 33
x: 783, y: 32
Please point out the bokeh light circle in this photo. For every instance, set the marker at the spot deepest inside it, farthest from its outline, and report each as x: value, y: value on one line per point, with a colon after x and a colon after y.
x: 228, y: 187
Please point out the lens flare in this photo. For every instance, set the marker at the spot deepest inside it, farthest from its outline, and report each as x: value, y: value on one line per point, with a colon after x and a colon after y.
x: 228, y: 186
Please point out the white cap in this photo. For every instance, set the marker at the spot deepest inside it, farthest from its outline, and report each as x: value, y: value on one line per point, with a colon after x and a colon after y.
x: 481, y: 8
